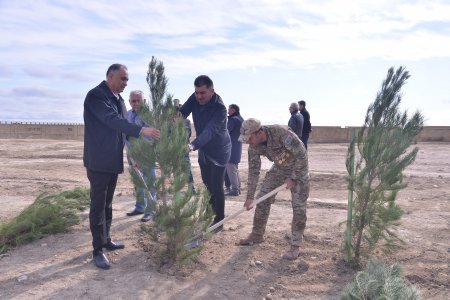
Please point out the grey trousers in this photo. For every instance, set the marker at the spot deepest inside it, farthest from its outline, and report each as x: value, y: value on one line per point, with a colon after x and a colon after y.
x: 233, y: 175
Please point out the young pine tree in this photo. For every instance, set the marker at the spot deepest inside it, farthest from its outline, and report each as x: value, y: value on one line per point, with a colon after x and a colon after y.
x: 176, y: 213
x: 378, y: 281
x: 383, y: 152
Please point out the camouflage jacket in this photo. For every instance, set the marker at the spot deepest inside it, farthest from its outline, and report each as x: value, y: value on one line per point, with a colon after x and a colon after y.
x: 284, y: 149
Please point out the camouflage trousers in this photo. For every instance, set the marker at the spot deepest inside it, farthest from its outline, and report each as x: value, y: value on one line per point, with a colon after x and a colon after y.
x: 275, y: 177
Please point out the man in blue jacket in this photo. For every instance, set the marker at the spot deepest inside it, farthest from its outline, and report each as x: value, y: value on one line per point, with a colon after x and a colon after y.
x: 234, y: 128
x: 105, y: 130
x: 296, y: 120
x: 212, y: 140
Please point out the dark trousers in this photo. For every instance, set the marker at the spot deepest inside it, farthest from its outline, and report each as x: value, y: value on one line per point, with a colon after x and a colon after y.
x: 304, y: 138
x: 227, y: 181
x: 188, y: 162
x: 100, y: 213
x: 213, y: 177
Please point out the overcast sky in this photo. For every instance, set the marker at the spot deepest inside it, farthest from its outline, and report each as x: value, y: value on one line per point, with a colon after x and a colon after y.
x: 261, y: 55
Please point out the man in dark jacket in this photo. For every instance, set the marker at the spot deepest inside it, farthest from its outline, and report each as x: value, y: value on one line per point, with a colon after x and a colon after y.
x: 213, y: 141
x: 232, y: 179
x: 105, y: 130
x: 296, y: 120
x: 306, y: 123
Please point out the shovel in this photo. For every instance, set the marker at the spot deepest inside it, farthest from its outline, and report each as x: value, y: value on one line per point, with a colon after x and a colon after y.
x: 195, y: 241
x: 141, y: 177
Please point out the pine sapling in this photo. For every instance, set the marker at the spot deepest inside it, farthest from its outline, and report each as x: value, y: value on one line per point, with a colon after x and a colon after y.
x: 383, y: 145
x: 178, y: 213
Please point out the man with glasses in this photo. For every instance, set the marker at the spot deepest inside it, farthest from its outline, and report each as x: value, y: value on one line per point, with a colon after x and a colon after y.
x: 105, y: 131
x: 290, y: 166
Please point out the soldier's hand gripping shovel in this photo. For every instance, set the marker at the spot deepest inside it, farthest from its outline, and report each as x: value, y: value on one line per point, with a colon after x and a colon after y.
x: 196, y: 240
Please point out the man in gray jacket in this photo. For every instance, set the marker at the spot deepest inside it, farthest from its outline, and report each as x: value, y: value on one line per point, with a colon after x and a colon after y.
x: 296, y: 120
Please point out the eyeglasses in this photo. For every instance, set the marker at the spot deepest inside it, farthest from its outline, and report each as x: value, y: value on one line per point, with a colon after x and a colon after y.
x: 135, y: 101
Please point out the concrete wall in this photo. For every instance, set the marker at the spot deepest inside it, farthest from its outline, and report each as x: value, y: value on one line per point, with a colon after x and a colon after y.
x: 41, y: 131
x: 334, y: 134
x: 320, y: 134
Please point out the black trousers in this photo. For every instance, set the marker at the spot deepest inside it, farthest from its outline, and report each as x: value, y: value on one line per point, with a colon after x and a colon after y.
x: 227, y: 180
x: 304, y: 138
x: 100, y: 213
x: 213, y: 177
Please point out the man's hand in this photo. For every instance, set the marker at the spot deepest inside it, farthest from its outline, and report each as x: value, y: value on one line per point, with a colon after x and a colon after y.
x: 290, y: 183
x: 150, y: 132
x: 191, y: 147
x: 248, y: 204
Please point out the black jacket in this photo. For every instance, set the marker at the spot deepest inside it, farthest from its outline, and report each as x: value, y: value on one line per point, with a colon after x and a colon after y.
x: 105, y: 127
x: 306, y: 121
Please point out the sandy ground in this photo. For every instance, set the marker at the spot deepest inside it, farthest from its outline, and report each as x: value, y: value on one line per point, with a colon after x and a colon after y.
x: 60, y: 266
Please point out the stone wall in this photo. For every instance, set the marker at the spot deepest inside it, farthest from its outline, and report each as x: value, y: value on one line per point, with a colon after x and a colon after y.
x: 320, y: 134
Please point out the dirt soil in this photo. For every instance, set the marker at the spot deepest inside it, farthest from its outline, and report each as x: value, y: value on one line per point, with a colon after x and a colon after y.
x: 61, y: 267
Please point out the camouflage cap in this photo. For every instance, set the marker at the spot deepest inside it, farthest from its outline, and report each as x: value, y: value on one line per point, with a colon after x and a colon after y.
x: 248, y: 127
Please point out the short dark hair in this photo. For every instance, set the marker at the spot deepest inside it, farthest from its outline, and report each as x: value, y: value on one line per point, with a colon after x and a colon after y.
x: 302, y: 102
x: 115, y: 67
x: 235, y: 107
x: 203, y: 80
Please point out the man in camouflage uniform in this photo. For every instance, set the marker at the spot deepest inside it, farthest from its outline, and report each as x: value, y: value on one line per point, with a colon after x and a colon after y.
x: 284, y: 148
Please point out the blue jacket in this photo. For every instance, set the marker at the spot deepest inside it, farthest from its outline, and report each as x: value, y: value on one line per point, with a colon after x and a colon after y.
x: 234, y: 129
x: 296, y: 123
x: 105, y: 127
x: 210, y: 123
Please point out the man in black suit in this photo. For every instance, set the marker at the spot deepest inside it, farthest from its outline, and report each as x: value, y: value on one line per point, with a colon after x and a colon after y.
x: 306, y: 124
x: 105, y: 130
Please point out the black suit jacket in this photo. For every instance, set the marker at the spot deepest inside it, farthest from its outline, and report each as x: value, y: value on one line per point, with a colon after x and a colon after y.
x: 105, y: 127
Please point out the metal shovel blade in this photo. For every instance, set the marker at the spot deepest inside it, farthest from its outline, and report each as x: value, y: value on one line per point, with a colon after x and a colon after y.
x: 196, y: 240
x: 192, y: 244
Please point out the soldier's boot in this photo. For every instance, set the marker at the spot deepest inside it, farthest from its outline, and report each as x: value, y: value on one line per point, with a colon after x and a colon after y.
x: 292, y: 253
x: 251, y: 240
x: 259, y: 225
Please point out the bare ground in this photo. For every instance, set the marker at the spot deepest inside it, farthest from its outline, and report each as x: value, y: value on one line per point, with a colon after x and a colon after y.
x: 60, y: 266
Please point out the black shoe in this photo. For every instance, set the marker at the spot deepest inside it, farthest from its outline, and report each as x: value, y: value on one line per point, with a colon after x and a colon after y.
x: 146, y: 217
x: 134, y: 213
x: 114, y: 246
x: 101, y: 261
x: 232, y: 193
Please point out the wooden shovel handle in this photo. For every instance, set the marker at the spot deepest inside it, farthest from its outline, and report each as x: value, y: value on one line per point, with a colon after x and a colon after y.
x: 256, y: 202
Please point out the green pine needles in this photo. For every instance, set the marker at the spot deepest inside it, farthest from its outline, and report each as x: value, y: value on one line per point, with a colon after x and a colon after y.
x: 383, y: 152
x: 380, y: 282
x: 178, y: 214
x: 48, y: 214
